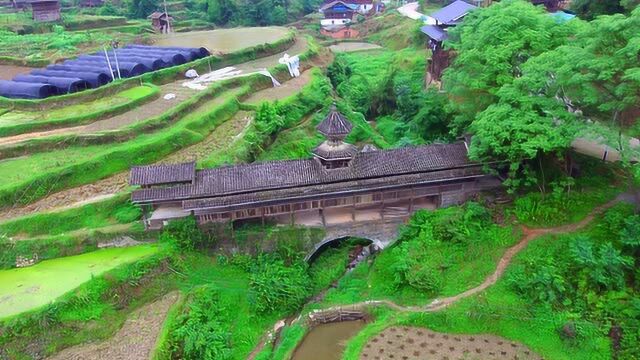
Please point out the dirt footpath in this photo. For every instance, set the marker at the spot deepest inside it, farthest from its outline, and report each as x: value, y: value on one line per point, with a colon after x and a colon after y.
x: 291, y: 87
x: 416, y: 343
x: 134, y: 341
x: 144, y: 111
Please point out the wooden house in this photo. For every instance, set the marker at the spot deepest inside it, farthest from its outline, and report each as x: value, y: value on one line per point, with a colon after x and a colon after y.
x: 45, y: 10
x: 337, y: 13
x: 339, y: 181
x: 161, y: 22
x: 438, y: 24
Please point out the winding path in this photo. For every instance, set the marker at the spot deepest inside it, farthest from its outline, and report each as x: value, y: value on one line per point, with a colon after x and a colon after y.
x: 529, y: 234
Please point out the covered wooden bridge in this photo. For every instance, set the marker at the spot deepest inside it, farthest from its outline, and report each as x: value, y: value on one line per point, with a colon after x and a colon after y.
x: 338, y: 184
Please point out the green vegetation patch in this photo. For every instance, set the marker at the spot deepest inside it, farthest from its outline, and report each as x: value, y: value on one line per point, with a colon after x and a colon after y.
x: 28, y: 288
x: 117, y: 210
x: 34, y: 176
x: 439, y: 253
x: 58, y: 43
x: 16, y: 121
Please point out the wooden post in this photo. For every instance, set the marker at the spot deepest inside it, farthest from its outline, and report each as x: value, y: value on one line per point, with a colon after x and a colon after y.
x: 382, y: 208
x: 262, y: 215
x: 411, y: 201
x: 353, y: 209
x: 324, y: 221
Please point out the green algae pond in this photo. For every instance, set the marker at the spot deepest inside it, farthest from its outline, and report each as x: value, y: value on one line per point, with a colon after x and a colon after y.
x: 28, y: 288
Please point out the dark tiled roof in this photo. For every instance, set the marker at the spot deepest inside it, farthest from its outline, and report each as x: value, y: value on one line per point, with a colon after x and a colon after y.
x: 333, y: 3
x: 450, y: 13
x: 162, y: 174
x: 228, y: 180
x: 434, y: 32
x: 335, y: 124
x: 321, y: 191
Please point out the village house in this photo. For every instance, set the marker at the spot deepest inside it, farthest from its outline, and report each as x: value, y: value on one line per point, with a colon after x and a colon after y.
x: 161, y: 22
x: 45, y: 10
x: 339, y: 183
x: 436, y: 29
x: 337, y: 13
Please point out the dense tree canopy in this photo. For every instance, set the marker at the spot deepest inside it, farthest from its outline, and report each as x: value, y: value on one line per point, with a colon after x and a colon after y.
x: 487, y: 88
x: 589, y: 9
x: 597, y: 71
x: 492, y: 45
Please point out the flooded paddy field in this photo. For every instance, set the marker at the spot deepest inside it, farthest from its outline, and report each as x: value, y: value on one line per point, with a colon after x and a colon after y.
x: 224, y: 40
x: 28, y: 288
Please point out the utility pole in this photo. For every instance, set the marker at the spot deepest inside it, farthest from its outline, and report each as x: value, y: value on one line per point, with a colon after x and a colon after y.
x: 114, y: 45
x: 109, y: 63
x: 167, y: 15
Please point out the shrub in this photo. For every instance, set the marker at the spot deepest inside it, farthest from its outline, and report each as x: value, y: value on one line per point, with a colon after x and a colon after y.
x: 184, y: 234
x: 429, y: 242
x: 275, y: 286
x: 202, y: 335
x: 128, y: 213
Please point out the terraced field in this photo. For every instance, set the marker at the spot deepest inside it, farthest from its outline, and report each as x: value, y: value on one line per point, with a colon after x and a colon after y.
x: 187, y: 142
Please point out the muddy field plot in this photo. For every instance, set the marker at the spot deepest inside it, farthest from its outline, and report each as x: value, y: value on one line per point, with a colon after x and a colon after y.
x: 407, y: 343
x: 7, y: 72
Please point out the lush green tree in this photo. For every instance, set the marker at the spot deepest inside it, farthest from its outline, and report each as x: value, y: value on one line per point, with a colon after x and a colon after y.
x: 491, y: 46
x: 107, y: 9
x: 432, y: 119
x: 140, y: 9
x: 220, y: 11
x: 589, y: 9
x: 603, y: 266
x: 597, y: 71
x: 279, y: 15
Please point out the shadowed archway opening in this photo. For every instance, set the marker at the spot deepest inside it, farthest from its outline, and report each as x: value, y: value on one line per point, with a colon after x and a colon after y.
x: 355, y: 242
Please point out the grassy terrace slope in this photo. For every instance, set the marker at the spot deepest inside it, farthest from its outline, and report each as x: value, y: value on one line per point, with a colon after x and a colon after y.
x: 29, y: 288
x: 76, y: 165
x: 20, y: 121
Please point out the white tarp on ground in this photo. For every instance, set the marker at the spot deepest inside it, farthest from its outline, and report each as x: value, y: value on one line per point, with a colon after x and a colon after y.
x: 293, y: 64
x: 229, y: 72
x: 201, y: 82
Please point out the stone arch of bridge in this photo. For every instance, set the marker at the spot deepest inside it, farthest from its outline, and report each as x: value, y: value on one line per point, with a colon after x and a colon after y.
x: 319, y: 247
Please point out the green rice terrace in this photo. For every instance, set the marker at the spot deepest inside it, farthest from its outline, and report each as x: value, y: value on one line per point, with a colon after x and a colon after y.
x: 311, y: 180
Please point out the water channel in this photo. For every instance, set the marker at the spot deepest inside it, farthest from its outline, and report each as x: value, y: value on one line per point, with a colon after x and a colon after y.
x: 327, y: 341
